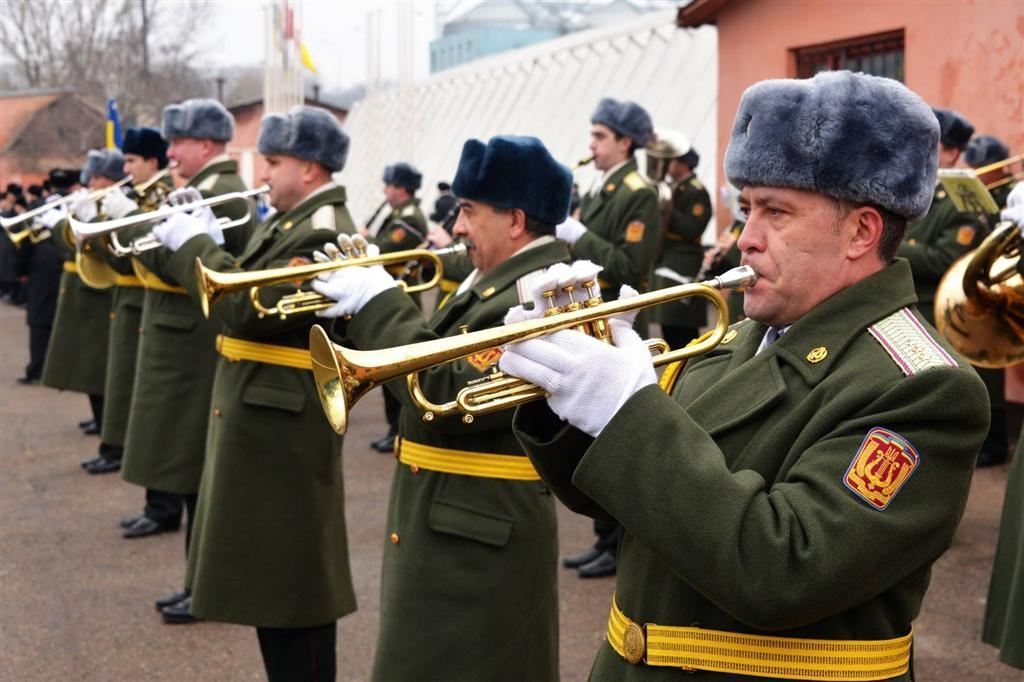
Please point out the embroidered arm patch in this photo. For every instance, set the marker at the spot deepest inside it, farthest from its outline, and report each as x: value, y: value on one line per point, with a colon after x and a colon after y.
x: 882, y: 465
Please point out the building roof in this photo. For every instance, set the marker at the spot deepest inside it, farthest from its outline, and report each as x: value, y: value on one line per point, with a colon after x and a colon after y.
x: 699, y: 13
x: 309, y: 101
x: 19, y: 107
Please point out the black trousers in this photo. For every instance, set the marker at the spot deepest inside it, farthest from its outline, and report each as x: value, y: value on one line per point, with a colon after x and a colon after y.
x: 190, y: 515
x: 607, y: 533
x: 38, y: 342
x: 299, y: 654
x: 96, y: 403
x: 164, y: 508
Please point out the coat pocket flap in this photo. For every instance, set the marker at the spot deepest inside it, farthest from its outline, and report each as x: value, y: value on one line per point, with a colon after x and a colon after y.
x: 276, y: 397
x: 469, y: 523
x: 179, y: 321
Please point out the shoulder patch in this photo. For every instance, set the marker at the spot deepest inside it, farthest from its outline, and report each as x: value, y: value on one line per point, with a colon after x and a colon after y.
x: 698, y: 209
x: 207, y: 184
x: 397, y: 235
x: 409, y: 210
x: 634, y: 181
x: 484, y: 359
x: 909, y: 344
x: 883, y: 463
x: 965, y: 235
x: 324, y: 219
x: 635, y: 231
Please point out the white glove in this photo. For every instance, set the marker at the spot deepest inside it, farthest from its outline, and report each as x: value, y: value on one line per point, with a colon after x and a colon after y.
x: 53, y: 216
x: 351, y: 287
x: 587, y: 379
x: 1014, y: 210
x: 184, y: 195
x: 116, y: 205
x: 180, y: 228
x: 570, y: 230
x: 82, y: 206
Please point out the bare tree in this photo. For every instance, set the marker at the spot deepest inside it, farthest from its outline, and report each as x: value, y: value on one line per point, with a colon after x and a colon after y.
x: 138, y: 51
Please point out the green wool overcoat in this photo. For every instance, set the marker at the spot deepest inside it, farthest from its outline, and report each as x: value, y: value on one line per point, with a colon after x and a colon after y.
x: 469, y: 585
x: 166, y: 435
x: 76, y: 359
x: 682, y: 251
x: 269, y: 546
x: 1004, y: 610
x: 623, y: 230
x: 748, y: 495
x: 934, y: 242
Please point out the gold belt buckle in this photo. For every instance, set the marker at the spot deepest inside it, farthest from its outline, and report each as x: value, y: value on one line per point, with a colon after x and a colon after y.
x: 634, y: 643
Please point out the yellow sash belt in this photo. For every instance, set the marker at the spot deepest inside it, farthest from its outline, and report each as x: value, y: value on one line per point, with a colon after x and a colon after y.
x: 465, y: 462
x: 151, y: 281
x: 127, y: 280
x: 788, y: 658
x: 284, y: 356
x: 70, y: 266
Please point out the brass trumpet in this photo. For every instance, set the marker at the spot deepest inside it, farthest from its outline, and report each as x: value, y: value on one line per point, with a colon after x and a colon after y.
x: 95, y: 195
x: 108, y: 229
x: 586, y: 160
x: 343, y: 375
x: 213, y: 285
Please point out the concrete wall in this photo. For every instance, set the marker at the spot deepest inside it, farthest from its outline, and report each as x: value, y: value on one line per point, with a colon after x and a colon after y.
x: 967, y: 55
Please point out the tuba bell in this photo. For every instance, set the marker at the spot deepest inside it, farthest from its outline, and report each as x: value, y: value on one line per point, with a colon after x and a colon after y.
x: 979, y: 304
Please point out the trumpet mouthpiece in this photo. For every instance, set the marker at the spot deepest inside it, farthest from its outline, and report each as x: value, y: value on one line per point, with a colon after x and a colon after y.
x: 737, y: 278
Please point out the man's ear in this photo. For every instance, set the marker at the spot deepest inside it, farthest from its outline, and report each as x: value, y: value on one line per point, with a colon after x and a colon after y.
x: 866, y: 228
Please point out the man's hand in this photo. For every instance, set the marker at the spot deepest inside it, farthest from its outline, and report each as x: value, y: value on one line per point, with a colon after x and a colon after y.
x: 116, y: 205
x: 82, y: 207
x: 570, y: 230
x: 352, y: 287
x: 1014, y: 210
x: 181, y: 227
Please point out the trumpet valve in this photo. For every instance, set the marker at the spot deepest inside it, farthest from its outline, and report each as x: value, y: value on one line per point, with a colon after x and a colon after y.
x: 549, y: 299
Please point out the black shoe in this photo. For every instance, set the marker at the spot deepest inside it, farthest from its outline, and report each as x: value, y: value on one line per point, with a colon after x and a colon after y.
x: 87, y: 463
x: 86, y: 423
x: 104, y: 466
x: 577, y: 560
x: 93, y: 430
x: 177, y: 614
x: 147, y: 526
x: 129, y: 521
x: 385, y: 444
x: 27, y: 381
x: 172, y: 599
x: 602, y: 566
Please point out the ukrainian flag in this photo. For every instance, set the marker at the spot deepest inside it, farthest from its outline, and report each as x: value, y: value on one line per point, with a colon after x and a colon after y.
x: 115, y: 136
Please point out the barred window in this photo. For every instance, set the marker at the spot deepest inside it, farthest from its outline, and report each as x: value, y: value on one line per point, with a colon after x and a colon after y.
x: 878, y: 55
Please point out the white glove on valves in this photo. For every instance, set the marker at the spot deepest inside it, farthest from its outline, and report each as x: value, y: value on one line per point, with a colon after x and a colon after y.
x: 83, y: 208
x: 1014, y: 210
x: 351, y: 287
x: 181, y: 227
x: 117, y: 205
x: 587, y: 380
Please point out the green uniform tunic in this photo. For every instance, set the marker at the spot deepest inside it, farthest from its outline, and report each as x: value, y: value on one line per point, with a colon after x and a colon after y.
x: 404, y: 229
x: 122, y: 351
x: 743, y: 495
x: 76, y: 359
x: 623, y: 230
x: 269, y: 546
x: 166, y: 435
x: 683, y: 252
x: 469, y: 585
x: 934, y: 242
x: 1004, y: 610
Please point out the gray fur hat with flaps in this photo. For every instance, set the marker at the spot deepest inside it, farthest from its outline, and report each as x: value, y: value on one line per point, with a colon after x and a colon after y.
x: 849, y: 136
x: 203, y: 119
x: 308, y: 133
x: 402, y: 174
x: 106, y: 163
x: 984, y: 150
x: 954, y: 130
x: 626, y: 118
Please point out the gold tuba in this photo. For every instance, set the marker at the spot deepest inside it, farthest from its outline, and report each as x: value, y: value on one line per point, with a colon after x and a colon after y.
x: 979, y: 304
x: 343, y: 375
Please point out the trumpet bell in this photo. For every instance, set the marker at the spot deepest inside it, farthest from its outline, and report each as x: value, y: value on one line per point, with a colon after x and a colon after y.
x: 979, y: 303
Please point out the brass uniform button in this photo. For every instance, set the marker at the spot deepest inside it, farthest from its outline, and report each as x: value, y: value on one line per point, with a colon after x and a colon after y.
x: 415, y: 468
x: 634, y: 643
x: 817, y: 355
x: 141, y: 330
x: 394, y: 538
x: 113, y: 316
x: 216, y: 412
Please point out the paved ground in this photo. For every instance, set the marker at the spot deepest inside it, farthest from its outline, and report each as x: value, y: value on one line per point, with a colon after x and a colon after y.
x: 76, y: 598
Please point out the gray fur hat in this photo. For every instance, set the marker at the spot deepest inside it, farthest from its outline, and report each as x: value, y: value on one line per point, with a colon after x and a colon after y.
x: 106, y: 163
x: 849, y: 136
x: 204, y: 119
x: 308, y: 133
x: 626, y: 118
x: 984, y: 150
x: 402, y: 174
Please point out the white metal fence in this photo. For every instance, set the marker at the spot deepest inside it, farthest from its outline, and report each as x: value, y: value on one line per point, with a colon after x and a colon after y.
x: 547, y: 90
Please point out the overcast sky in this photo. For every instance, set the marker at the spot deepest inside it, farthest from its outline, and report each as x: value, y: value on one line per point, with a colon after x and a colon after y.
x: 334, y: 32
